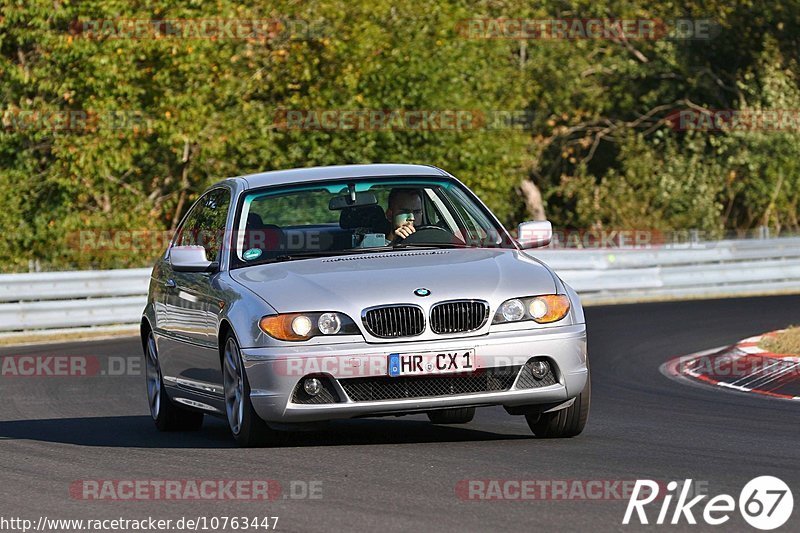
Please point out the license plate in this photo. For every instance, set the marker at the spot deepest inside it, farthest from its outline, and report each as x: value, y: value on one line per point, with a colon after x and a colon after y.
x: 422, y: 364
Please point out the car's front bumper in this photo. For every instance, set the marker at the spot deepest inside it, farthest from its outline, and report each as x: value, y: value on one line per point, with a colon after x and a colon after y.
x: 273, y: 373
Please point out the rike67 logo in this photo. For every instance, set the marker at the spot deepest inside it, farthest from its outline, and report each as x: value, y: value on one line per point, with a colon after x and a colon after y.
x: 765, y: 503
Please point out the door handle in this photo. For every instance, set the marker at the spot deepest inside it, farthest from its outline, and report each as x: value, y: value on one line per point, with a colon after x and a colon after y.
x: 170, y: 284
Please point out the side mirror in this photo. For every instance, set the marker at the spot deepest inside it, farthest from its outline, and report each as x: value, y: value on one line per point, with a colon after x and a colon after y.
x: 190, y: 259
x: 534, y: 234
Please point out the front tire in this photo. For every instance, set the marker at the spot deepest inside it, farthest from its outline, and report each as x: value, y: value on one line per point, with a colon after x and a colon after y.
x: 564, y: 423
x: 166, y: 415
x: 246, y: 426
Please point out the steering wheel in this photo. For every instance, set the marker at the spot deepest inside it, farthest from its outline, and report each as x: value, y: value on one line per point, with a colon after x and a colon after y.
x: 427, y: 234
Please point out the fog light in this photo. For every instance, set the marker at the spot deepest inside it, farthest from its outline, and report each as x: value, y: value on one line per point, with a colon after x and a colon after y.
x: 540, y: 368
x: 312, y: 386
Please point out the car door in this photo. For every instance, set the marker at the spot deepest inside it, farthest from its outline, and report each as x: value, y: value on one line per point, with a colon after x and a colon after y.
x: 190, y: 357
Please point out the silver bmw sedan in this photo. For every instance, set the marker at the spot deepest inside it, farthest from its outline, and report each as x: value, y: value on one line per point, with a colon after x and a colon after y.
x: 300, y: 296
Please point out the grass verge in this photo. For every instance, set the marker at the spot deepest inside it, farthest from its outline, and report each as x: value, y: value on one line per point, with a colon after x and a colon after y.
x: 786, y: 342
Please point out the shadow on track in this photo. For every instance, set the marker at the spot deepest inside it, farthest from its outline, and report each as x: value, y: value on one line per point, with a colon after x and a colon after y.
x: 138, y: 432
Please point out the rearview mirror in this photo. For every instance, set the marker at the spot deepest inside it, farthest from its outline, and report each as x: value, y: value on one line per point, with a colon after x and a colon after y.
x: 534, y: 234
x: 189, y: 259
x: 359, y: 199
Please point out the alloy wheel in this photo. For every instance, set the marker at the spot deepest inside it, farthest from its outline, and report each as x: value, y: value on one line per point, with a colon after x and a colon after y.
x: 234, y: 386
x: 153, y: 377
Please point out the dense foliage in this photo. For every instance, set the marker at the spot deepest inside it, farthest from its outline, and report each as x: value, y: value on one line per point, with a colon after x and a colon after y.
x: 164, y: 117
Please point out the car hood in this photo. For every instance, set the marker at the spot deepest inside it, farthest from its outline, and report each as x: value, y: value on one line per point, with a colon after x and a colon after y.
x: 351, y: 283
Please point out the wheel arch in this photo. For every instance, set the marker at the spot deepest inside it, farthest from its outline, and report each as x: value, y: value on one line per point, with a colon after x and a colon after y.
x: 144, y: 329
x: 225, y: 328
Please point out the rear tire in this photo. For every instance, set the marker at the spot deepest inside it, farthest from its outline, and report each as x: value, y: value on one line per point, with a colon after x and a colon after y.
x: 247, y: 427
x: 565, y: 423
x: 166, y: 414
x: 460, y: 415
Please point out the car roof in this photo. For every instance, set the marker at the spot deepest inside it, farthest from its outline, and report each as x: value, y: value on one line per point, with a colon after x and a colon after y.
x: 311, y: 174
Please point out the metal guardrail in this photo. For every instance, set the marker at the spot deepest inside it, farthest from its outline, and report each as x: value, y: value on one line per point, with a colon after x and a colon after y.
x: 719, y: 268
x: 51, y: 300
x: 723, y: 268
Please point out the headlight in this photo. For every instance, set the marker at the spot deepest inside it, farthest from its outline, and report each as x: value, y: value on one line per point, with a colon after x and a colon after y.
x: 303, y: 326
x: 329, y: 323
x: 512, y: 310
x: 538, y: 308
x: 541, y: 309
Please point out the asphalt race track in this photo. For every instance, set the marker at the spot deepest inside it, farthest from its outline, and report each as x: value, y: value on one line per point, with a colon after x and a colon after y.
x: 400, y: 474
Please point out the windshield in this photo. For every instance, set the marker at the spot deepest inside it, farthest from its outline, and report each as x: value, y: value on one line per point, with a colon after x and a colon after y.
x: 356, y: 216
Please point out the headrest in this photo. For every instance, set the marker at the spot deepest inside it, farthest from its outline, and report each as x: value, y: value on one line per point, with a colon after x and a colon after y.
x: 369, y: 216
x: 254, y: 221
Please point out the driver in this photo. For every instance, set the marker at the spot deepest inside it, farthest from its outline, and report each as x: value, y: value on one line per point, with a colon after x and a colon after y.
x: 404, y: 212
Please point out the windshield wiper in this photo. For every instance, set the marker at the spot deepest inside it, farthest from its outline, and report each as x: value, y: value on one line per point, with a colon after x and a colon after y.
x: 318, y: 253
x: 428, y: 246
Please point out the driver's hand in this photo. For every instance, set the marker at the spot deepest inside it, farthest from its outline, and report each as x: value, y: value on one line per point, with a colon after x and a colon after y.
x: 405, y: 229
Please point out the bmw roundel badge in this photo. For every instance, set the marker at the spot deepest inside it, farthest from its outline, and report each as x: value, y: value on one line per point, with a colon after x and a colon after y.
x: 422, y: 292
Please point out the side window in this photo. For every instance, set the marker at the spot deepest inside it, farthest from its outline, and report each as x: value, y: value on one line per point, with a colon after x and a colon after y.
x: 434, y: 217
x: 205, y: 225
x: 298, y: 209
x: 473, y: 219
